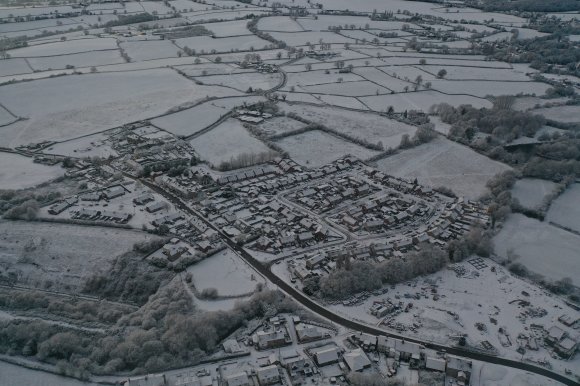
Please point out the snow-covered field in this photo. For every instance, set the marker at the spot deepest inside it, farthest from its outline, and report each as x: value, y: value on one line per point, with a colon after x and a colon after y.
x: 14, y: 67
x: 87, y: 146
x: 530, y: 192
x: 561, y: 113
x: 238, y: 43
x: 367, y: 126
x: 139, y: 50
x: 280, y: 125
x: 422, y: 100
x: 84, y: 59
x: 279, y: 23
x: 190, y: 121
x: 242, y: 82
x: 20, y: 172
x: 485, y: 88
x: 17, y: 375
x: 316, y: 148
x: 61, y: 108
x: 543, y: 248
x: 565, y: 210
x: 226, y: 141
x: 226, y: 272
x: 65, y: 48
x: 442, y: 162
x: 58, y: 252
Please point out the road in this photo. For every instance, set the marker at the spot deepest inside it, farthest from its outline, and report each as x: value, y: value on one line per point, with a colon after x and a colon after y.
x: 351, y: 324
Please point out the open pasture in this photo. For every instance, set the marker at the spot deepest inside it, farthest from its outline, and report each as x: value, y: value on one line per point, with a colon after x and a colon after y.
x: 317, y: 148
x: 227, y: 273
x: 367, y: 126
x: 226, y: 141
x: 422, y: 100
x: 207, y: 44
x: 530, y: 192
x: 474, y: 73
x: 541, y: 247
x: 20, y: 172
x: 442, y: 162
x: 244, y: 81
x: 482, y: 88
x: 570, y: 114
x: 61, y: 108
x: 355, y: 89
x: 139, y: 50
x: 303, y: 38
x: 65, y: 48
x: 85, y: 59
x: 279, y: 24
x: 565, y: 210
x: 192, y: 120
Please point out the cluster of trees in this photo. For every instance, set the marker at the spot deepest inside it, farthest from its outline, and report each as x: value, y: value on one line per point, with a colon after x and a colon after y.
x: 24, y: 204
x: 424, y: 134
x: 130, y: 19
x: 500, y: 122
x: 166, y: 332
x: 359, y: 276
x: 172, y: 168
x: 248, y: 159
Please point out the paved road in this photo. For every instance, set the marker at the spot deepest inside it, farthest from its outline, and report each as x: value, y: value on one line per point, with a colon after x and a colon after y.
x: 351, y: 324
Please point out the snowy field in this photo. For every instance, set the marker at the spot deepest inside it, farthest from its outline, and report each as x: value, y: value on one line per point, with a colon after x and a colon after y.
x: 543, y: 248
x: 65, y: 48
x: 20, y: 172
x: 85, y: 59
x: 238, y: 43
x: 279, y: 24
x: 474, y: 73
x: 317, y: 148
x: 530, y: 192
x: 484, y: 88
x: 226, y: 141
x: 226, y: 272
x: 14, y: 67
x: 561, y: 113
x: 565, y: 210
x: 150, y: 49
x: 242, y: 82
x: 190, y: 121
x: 442, y: 162
x: 43, y: 252
x: 17, y: 375
x: 280, y: 125
x: 87, y: 146
x: 422, y: 100
x: 368, y: 126
x: 61, y: 108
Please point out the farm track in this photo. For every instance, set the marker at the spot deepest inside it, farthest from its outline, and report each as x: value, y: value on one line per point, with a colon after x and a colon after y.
x: 319, y: 309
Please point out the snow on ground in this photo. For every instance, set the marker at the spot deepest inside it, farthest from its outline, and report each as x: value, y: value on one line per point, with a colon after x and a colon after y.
x: 565, y: 210
x: 84, y: 59
x: 41, y: 252
x: 226, y: 141
x: 530, y: 192
x: 279, y: 23
x: 229, y: 28
x: 476, y: 297
x: 64, y: 48
x: 422, y: 100
x: 89, y: 146
x: 20, y: 172
x: 242, y: 82
x: 342, y: 101
x: 6, y: 117
x: 316, y: 148
x: 303, y: 38
x: 541, y: 247
x: 150, y: 49
x: 442, y: 162
x: 14, y: 67
x: 527, y: 103
x: 238, y: 43
x: 226, y: 272
x: 70, y: 106
x: 488, y: 374
x: 17, y: 375
x: 561, y: 113
x: 190, y: 121
x: 280, y: 125
x: 440, y: 126
x: 307, y: 78
x: 355, y: 89
x: 367, y: 126
x: 485, y: 88
x: 471, y: 73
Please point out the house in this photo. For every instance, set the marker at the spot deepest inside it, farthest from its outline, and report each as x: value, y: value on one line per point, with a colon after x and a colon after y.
x: 294, y: 363
x: 147, y: 380
x: 326, y: 356
x: 173, y: 252
x: 143, y: 199
x: 204, y: 246
x: 315, y: 260
x: 155, y: 206
x: 268, y: 375
x: 237, y: 379
x: 566, y: 347
x: 356, y: 360
x: 307, y: 332
x: 554, y: 335
x: 305, y: 237
x: 458, y: 368
x: 91, y: 196
x: 114, y: 192
x: 270, y: 339
x: 435, y: 364
x: 408, y: 350
x: 231, y: 346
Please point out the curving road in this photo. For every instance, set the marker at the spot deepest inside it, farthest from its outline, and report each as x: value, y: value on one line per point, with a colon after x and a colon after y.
x: 351, y: 324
